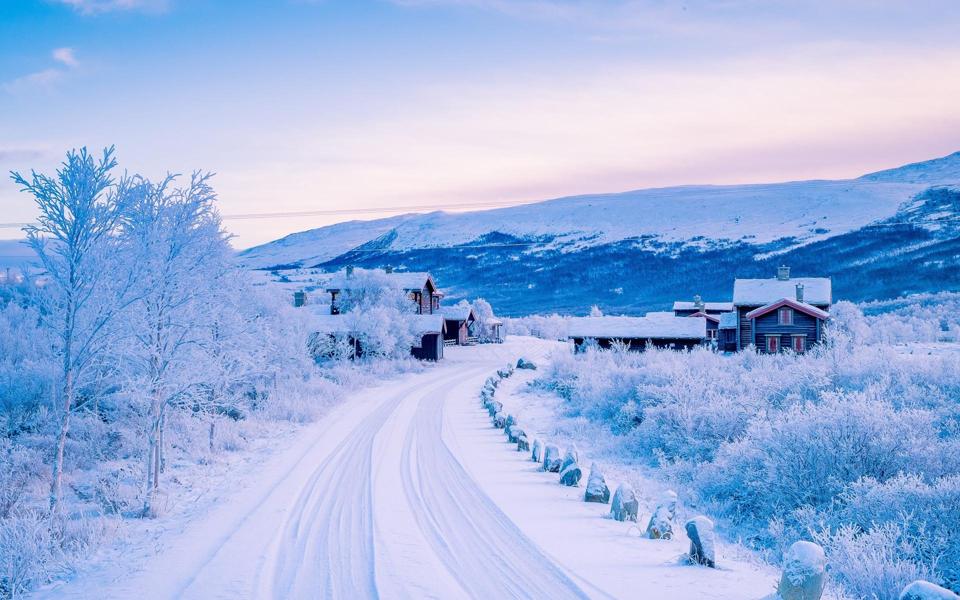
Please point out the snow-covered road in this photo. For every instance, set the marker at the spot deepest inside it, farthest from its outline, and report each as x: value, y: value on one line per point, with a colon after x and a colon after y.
x: 407, y: 492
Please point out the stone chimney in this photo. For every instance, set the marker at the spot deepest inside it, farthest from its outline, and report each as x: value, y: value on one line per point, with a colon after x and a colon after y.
x: 783, y: 273
x: 799, y: 292
x: 697, y: 302
x: 299, y: 298
x: 349, y: 270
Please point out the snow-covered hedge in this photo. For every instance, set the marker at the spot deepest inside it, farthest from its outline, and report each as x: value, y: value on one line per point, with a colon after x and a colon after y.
x: 856, y: 444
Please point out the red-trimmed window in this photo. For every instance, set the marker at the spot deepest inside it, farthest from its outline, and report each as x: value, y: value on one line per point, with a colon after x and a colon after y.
x: 786, y: 316
x: 799, y: 343
x: 773, y: 344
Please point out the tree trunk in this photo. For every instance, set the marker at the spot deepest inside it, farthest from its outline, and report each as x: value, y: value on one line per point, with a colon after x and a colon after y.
x: 56, y: 484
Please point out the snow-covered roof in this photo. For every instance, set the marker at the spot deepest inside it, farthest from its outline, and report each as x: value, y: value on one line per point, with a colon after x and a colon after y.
x: 332, y: 323
x: 637, y: 327
x: 413, y: 280
x: 682, y: 305
x: 803, y: 307
x: 456, y: 312
x: 345, y: 324
x: 759, y: 292
x: 728, y: 320
x: 660, y: 314
x: 427, y: 324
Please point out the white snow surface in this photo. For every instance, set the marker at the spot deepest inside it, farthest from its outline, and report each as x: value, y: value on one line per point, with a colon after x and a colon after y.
x: 692, y: 215
x: 406, y: 491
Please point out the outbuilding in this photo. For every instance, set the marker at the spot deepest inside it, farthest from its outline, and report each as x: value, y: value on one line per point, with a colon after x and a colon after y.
x: 637, y: 333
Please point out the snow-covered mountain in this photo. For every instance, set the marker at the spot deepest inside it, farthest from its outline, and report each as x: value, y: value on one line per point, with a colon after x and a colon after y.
x: 639, y: 250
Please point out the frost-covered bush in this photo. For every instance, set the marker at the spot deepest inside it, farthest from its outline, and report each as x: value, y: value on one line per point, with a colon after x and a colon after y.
x: 854, y: 443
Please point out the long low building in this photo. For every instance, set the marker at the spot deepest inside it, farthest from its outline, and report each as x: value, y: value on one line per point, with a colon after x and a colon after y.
x: 637, y: 333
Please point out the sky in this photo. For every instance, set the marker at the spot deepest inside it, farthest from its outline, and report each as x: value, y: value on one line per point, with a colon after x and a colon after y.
x: 317, y: 111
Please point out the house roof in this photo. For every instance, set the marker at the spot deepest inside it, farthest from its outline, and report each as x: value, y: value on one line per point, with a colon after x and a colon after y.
x: 720, y: 306
x: 408, y: 281
x: 637, y: 328
x: 728, y: 320
x: 423, y: 324
x: 457, y: 313
x: 803, y: 307
x: 332, y: 323
x: 714, y: 318
x: 760, y: 292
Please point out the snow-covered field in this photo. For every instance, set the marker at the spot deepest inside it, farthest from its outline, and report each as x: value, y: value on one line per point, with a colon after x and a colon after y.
x: 406, y: 491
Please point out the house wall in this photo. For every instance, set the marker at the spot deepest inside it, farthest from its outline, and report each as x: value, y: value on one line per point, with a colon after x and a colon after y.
x: 431, y: 347
x: 769, y: 324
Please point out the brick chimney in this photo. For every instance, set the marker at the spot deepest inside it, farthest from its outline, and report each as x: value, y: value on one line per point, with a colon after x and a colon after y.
x: 799, y: 292
x: 783, y: 273
x: 697, y: 302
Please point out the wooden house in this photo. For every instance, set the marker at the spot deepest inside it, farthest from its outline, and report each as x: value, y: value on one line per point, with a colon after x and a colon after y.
x: 783, y: 312
x: 637, y: 333
x: 420, y: 287
x: 460, y: 324
x: 429, y: 330
x: 494, y: 330
x: 336, y: 335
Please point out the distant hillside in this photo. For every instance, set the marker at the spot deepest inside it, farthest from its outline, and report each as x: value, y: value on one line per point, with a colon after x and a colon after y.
x: 879, y: 236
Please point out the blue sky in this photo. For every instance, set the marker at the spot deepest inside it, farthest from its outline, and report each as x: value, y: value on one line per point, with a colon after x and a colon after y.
x: 328, y: 105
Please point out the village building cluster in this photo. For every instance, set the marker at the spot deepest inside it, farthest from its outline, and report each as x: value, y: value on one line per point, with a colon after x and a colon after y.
x: 771, y: 315
x: 434, y: 326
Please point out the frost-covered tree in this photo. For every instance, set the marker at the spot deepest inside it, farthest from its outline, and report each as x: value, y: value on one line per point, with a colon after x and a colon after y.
x: 181, y: 256
x: 79, y: 209
x: 595, y: 311
x: 484, y: 314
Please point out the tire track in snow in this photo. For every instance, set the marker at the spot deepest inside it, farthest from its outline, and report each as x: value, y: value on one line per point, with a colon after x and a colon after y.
x: 481, y: 547
x: 326, y: 548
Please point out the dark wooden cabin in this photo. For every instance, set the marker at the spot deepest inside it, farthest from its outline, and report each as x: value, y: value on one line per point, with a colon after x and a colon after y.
x: 430, y: 331
x: 637, y: 333
x: 780, y: 313
x: 460, y: 324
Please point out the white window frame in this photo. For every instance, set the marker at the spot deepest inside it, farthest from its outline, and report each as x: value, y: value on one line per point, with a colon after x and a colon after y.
x: 781, y: 312
x: 802, y: 338
x: 772, y: 338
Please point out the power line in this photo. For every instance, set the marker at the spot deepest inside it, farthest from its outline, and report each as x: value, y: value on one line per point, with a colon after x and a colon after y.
x: 338, y: 211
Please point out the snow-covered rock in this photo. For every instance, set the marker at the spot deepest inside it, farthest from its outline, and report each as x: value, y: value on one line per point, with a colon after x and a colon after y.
x: 495, y: 407
x: 551, y: 458
x: 537, y: 454
x: 703, y: 543
x: 804, y: 572
x: 570, y: 472
x: 523, y: 445
x: 506, y: 371
x: 526, y: 364
x: 510, y: 422
x: 661, y: 521
x: 514, y: 433
x: 924, y: 590
x: 498, y: 420
x: 597, y: 490
x: 625, y: 505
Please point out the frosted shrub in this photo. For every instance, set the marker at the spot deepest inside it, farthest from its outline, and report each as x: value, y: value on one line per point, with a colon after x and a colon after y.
x: 870, y: 564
